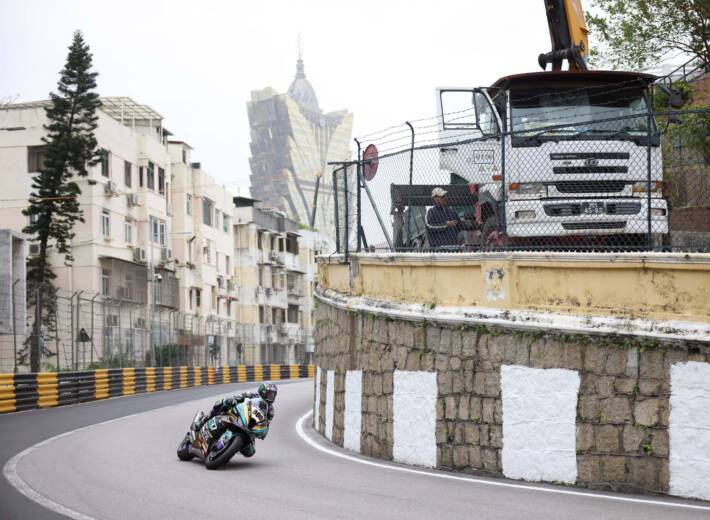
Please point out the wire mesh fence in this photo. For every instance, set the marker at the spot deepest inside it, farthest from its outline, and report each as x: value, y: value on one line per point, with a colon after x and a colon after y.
x: 80, y: 331
x: 585, y: 169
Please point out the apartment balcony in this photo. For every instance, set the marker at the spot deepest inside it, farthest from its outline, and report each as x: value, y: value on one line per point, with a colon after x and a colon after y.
x: 166, y: 289
x: 124, y: 281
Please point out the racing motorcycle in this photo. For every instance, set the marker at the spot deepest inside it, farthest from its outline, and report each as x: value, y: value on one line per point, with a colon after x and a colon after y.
x: 220, y: 438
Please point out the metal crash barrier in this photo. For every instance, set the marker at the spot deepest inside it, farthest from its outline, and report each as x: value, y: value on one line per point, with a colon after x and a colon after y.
x: 46, y: 389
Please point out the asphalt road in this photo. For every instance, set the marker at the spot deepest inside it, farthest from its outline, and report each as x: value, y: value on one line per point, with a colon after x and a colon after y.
x: 128, y: 469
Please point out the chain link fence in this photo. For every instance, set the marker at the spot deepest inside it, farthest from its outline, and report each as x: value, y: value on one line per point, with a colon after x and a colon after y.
x: 81, y: 331
x: 583, y: 169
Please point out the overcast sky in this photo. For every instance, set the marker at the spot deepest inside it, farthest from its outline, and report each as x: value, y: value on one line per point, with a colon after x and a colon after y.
x: 196, y: 62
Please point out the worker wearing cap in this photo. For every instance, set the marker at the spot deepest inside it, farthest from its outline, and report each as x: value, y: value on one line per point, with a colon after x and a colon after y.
x: 442, y: 222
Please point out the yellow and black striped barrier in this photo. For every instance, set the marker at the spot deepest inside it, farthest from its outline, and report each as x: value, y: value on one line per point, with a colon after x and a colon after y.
x: 47, y: 389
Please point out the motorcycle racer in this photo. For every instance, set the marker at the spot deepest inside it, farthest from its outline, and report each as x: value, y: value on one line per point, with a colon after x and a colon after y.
x: 267, y: 391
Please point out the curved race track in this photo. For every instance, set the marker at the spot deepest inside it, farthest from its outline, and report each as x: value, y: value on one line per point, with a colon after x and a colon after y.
x: 127, y: 468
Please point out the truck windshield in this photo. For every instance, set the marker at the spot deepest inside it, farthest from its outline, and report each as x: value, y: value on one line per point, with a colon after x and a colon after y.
x: 574, y: 111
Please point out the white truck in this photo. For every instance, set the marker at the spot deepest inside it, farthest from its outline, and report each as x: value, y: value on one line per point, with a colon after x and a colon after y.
x: 558, y: 157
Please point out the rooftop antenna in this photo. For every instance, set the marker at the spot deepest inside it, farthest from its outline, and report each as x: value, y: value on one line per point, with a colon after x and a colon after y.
x: 299, y: 63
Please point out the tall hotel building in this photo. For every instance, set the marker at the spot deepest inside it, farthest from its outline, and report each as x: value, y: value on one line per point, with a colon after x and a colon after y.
x: 292, y: 141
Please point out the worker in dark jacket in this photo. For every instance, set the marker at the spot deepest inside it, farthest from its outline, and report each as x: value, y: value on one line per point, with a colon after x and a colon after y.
x: 442, y: 222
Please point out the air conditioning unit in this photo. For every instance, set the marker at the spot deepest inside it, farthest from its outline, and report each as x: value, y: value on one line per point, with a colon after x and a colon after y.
x: 132, y: 199
x: 166, y: 254
x: 140, y: 255
x: 34, y: 249
x: 110, y: 187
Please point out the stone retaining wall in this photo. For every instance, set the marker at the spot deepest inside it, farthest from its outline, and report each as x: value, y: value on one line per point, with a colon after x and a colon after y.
x: 590, y: 411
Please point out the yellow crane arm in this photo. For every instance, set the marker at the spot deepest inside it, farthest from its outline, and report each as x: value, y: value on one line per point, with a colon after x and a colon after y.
x: 568, y: 35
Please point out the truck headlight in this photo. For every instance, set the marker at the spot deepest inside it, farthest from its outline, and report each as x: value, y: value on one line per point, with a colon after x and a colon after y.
x: 524, y: 214
x: 641, y: 188
x: 527, y: 189
x: 658, y: 212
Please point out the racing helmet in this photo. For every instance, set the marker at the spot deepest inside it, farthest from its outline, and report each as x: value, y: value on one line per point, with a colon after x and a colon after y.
x: 267, y: 391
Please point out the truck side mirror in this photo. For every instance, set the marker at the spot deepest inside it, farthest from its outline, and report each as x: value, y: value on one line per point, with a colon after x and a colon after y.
x: 675, y: 96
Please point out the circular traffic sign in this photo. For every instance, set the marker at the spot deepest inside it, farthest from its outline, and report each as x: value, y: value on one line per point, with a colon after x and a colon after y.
x: 369, y: 162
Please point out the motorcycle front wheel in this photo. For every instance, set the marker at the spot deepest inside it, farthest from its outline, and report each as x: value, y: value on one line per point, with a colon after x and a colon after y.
x: 183, y: 451
x: 218, y: 457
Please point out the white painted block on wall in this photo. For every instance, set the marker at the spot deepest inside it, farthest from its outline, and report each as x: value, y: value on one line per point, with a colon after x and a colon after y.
x: 689, y: 430
x: 353, y: 410
x: 329, y: 403
x: 316, y: 402
x: 539, y: 418
x: 414, y: 408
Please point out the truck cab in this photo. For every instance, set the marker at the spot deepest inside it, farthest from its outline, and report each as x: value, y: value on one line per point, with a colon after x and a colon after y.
x: 558, y: 156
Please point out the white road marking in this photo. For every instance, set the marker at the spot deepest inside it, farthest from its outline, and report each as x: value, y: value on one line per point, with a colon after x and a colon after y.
x: 302, y: 434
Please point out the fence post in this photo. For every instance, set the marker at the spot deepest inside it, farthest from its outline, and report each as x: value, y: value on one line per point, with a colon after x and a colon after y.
x: 504, y: 192
x: 14, y: 328
x: 409, y: 192
x: 649, y: 236
x: 346, y: 196
x: 91, y: 354
x: 337, y: 215
x: 359, y: 197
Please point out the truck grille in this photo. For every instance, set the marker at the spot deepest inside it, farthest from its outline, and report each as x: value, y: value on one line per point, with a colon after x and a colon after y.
x: 573, y: 209
x: 590, y: 186
x: 575, y: 226
x: 623, y: 208
x: 564, y: 170
x: 572, y: 156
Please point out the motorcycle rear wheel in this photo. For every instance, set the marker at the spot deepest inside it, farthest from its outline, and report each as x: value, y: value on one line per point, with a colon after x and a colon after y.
x: 215, y: 459
x: 183, y: 451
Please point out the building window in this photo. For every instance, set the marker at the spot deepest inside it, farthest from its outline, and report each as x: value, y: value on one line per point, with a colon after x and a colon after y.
x: 105, y: 281
x: 207, y: 252
x: 216, y: 256
x: 198, y: 298
x: 151, y: 176
x: 127, y: 174
x: 106, y: 223
x: 261, y: 276
x: 128, y: 231
x: 225, y: 223
x: 36, y: 158
x: 292, y: 314
x: 105, y: 162
x: 259, y: 240
x: 262, y: 314
x: 188, y: 201
x: 227, y: 265
x: 140, y: 176
x: 161, y: 180
x: 207, y: 212
x: 292, y: 244
x: 184, y: 156
x: 157, y: 231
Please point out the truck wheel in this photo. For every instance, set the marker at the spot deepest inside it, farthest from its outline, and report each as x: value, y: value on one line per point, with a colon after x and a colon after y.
x: 491, y: 236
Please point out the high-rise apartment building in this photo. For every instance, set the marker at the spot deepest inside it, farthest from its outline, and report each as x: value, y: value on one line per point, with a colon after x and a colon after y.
x: 292, y: 142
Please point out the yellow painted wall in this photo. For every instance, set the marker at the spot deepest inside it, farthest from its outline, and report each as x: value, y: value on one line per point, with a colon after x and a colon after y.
x: 661, y: 287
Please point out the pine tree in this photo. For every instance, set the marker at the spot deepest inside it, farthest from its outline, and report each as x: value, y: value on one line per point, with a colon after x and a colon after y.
x: 71, y: 149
